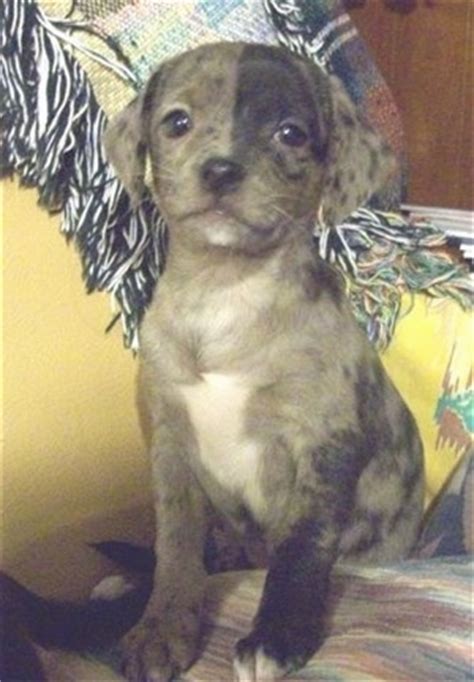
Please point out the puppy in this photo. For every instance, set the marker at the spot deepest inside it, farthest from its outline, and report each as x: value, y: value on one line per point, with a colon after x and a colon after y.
x: 261, y: 398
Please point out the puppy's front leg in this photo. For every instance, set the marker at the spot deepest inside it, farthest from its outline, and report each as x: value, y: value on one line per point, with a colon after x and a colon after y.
x: 165, y: 640
x: 288, y: 627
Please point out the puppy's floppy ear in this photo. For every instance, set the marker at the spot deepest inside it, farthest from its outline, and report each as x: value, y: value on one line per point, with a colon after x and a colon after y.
x: 125, y: 148
x: 359, y: 161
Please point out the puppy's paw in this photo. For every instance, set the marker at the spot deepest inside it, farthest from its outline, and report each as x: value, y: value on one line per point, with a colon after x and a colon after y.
x: 268, y: 654
x: 158, y: 650
x: 254, y: 665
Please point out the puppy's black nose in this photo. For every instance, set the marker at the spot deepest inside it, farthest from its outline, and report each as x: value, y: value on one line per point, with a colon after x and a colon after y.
x: 221, y: 175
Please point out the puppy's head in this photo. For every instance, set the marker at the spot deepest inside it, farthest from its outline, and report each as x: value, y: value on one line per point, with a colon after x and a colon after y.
x: 245, y: 142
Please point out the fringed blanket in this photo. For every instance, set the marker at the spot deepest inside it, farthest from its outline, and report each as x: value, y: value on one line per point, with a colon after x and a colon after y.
x: 61, y: 76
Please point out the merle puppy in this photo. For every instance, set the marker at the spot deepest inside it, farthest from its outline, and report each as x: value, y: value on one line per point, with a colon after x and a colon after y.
x: 261, y: 399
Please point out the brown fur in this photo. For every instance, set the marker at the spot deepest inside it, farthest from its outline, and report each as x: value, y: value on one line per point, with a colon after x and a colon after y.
x: 262, y: 399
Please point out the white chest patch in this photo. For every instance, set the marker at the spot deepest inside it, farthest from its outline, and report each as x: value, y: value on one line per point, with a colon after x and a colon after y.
x: 216, y: 408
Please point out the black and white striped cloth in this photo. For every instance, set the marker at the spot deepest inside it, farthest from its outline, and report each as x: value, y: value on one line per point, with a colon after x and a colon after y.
x: 50, y: 136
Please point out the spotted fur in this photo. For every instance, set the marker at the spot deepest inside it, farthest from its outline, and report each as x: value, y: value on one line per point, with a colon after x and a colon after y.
x: 261, y: 398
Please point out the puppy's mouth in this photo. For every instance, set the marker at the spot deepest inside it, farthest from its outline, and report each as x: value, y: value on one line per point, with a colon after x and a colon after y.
x: 218, y: 214
x: 228, y: 227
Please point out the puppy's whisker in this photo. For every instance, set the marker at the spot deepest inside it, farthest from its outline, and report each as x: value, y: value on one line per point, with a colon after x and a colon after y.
x: 283, y: 213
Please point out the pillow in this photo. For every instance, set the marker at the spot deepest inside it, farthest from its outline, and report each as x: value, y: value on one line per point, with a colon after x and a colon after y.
x: 430, y: 363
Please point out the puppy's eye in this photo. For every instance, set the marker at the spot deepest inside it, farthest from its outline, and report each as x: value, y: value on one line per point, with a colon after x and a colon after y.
x: 291, y: 135
x: 177, y: 123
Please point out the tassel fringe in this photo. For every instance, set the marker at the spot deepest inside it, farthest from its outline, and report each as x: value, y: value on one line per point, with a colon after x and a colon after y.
x: 50, y: 136
x: 382, y: 255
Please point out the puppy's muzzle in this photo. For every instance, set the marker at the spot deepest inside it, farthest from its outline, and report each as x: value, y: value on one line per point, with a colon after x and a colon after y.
x: 220, y: 175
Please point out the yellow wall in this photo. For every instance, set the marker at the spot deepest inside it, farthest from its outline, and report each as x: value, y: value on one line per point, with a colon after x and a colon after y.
x: 72, y: 451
